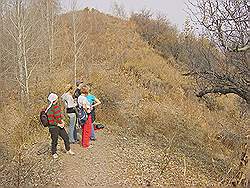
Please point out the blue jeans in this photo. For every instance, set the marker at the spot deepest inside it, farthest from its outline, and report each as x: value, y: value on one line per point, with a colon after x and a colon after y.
x: 72, y: 127
x: 92, y: 136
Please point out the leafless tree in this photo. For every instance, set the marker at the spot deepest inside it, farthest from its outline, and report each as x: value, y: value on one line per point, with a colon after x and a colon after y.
x: 25, y: 45
x: 119, y: 10
x: 50, y: 30
x: 225, y: 23
x: 17, y: 20
x: 2, y: 4
x: 79, y: 37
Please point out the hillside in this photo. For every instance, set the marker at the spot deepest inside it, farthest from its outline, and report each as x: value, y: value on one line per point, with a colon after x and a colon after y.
x: 148, y: 98
x: 157, y: 130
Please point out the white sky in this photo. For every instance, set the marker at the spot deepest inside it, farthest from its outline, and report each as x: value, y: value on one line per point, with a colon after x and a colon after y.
x: 173, y: 9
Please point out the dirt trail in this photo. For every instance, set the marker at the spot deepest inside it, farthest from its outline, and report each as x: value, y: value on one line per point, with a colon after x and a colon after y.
x: 93, y: 166
x: 99, y: 165
x: 115, y: 159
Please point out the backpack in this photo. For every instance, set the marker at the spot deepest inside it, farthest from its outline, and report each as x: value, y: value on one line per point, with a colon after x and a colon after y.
x: 98, y: 126
x: 44, y: 118
x: 82, y: 116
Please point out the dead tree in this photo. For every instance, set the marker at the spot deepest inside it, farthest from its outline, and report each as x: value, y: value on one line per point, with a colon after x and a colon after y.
x: 79, y: 37
x: 51, y: 11
x: 225, y: 23
x: 20, y: 23
x: 119, y: 10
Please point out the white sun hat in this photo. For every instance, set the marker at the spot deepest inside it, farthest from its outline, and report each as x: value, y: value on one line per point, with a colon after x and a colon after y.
x: 52, y: 97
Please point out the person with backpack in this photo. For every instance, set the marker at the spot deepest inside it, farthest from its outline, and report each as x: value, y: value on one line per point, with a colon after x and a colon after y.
x: 56, y: 125
x: 70, y: 105
x: 84, y: 108
x: 93, y: 103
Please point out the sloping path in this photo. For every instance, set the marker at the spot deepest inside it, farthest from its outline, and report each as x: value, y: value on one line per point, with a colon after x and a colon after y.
x: 116, y: 160
x: 98, y: 165
x: 113, y: 160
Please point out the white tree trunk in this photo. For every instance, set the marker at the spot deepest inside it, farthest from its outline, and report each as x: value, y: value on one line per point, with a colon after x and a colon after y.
x: 50, y: 32
x: 26, y: 85
x: 21, y: 77
x: 78, y: 38
x: 74, y: 43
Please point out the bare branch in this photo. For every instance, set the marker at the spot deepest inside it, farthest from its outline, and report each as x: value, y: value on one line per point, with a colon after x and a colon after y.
x: 32, y: 69
x: 6, y: 70
x: 226, y: 90
x: 11, y: 34
x: 82, y: 45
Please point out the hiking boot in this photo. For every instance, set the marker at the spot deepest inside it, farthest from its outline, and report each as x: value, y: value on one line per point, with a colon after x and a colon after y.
x: 70, y: 152
x: 55, y: 156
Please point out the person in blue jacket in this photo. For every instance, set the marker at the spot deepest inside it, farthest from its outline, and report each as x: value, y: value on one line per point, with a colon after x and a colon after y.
x: 93, y: 103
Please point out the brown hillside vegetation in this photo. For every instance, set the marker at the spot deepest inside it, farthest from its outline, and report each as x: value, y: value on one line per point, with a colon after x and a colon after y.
x: 148, y: 105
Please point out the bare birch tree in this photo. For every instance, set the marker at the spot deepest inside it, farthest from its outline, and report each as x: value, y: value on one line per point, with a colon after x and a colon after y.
x: 50, y: 21
x: 2, y: 4
x: 3, y: 68
x: 21, y: 24
x: 18, y: 22
x: 79, y: 37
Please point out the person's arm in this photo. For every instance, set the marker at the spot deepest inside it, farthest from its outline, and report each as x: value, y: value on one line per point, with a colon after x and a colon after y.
x: 64, y: 105
x: 97, y: 102
x: 77, y: 93
x: 84, y: 105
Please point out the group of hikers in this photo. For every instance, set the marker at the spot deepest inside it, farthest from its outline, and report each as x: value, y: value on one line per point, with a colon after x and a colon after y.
x: 77, y: 103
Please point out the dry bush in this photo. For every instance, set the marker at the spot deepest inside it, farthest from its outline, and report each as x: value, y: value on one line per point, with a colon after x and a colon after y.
x: 159, y: 33
x: 22, y: 137
x: 25, y: 142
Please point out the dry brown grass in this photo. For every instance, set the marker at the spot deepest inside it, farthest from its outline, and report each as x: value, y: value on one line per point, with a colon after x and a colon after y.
x: 144, y: 93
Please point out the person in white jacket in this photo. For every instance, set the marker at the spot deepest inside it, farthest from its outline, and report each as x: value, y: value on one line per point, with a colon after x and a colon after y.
x: 70, y: 105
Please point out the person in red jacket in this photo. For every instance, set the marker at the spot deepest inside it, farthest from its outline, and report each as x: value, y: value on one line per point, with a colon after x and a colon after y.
x: 56, y: 125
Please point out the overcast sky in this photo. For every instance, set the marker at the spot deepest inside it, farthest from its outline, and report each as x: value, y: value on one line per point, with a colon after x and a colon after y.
x: 173, y: 9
